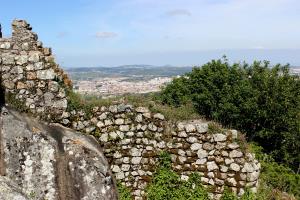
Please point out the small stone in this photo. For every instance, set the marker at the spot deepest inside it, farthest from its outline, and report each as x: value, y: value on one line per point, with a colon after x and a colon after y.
x: 223, y: 168
x: 204, y: 180
x: 139, y: 118
x: 115, y: 169
x: 60, y: 104
x: 34, y: 57
x: 208, y: 146
x: 29, y: 67
x: 228, y: 161
x: 22, y: 59
x: 125, y: 167
x: 152, y: 127
x: 182, y: 134
x: 120, y: 176
x: 21, y: 85
x: 248, y: 168
x: 202, y: 153
x: 201, y: 161
x: 108, y: 122
x: 113, y: 135
x: 192, y: 139
x: 119, y: 121
x: 46, y: 74
x: 196, y: 146
x: 202, y: 128
x: 233, y: 146
x: 136, y: 160
x: 100, y: 124
x: 231, y: 182
x: 38, y: 65
x: 53, y: 86
x: 219, y: 137
x: 181, y: 152
x: 252, y: 176
x: 235, y: 167
x: 31, y: 75
x: 181, y: 159
x: 234, y: 133
x: 211, y: 166
x: 117, y: 155
x: 103, y: 116
x: 90, y: 129
x: 159, y: 116
x: 235, y: 154
x: 184, y: 177
x: 190, y: 128
x: 135, y: 152
x: 113, y: 108
x: 124, y: 128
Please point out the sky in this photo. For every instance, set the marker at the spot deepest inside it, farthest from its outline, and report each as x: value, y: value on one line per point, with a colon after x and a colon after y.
x: 87, y: 33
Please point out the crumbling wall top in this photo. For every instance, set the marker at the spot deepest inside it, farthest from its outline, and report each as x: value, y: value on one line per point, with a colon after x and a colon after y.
x: 29, y: 74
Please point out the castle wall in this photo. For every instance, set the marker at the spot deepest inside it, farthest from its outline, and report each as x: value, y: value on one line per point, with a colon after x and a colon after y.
x: 29, y: 73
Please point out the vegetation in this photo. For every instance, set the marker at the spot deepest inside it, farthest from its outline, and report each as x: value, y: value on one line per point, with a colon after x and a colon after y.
x: 15, y: 103
x: 87, y: 102
x: 275, y: 177
x: 260, y: 100
x: 124, y: 192
x: 166, y: 184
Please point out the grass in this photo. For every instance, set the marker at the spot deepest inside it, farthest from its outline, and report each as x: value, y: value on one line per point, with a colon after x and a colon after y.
x: 87, y: 102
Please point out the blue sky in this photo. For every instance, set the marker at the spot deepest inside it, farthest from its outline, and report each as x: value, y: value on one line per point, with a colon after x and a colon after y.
x: 160, y: 32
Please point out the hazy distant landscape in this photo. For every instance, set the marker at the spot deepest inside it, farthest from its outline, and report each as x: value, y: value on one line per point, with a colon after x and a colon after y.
x: 114, y: 81
x: 133, y: 72
x: 127, y: 79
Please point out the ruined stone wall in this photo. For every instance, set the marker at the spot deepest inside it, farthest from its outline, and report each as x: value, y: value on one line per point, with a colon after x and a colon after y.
x: 29, y: 73
x: 132, y: 138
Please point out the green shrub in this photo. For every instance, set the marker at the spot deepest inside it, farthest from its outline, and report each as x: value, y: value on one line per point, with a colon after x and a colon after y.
x: 124, y: 192
x: 276, y: 176
x: 167, y: 185
x: 260, y: 100
x: 15, y: 103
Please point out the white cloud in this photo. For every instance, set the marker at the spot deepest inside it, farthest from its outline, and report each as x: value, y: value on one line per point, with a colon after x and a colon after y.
x: 178, y: 12
x: 105, y: 34
x: 62, y: 34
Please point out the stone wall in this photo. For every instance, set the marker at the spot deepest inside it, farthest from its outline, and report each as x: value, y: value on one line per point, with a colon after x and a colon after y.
x: 29, y: 73
x: 132, y: 138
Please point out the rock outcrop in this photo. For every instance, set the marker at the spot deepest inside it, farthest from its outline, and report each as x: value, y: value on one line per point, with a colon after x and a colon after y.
x: 48, y: 161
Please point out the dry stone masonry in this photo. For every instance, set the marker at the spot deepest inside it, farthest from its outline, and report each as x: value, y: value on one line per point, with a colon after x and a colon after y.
x: 29, y: 73
x: 132, y: 137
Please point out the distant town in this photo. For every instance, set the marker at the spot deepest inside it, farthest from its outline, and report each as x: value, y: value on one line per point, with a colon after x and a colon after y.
x: 115, y: 81
x: 108, y: 82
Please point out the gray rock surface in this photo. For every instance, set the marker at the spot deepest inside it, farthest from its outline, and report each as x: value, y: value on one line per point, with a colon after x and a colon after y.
x: 50, y: 162
x: 10, y: 190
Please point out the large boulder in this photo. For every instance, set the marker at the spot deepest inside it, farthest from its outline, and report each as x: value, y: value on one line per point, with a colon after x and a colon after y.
x: 48, y: 161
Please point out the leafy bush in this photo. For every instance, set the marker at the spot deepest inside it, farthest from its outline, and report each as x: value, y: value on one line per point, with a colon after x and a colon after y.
x: 124, y: 192
x: 166, y: 184
x: 261, y: 100
x: 275, y: 176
